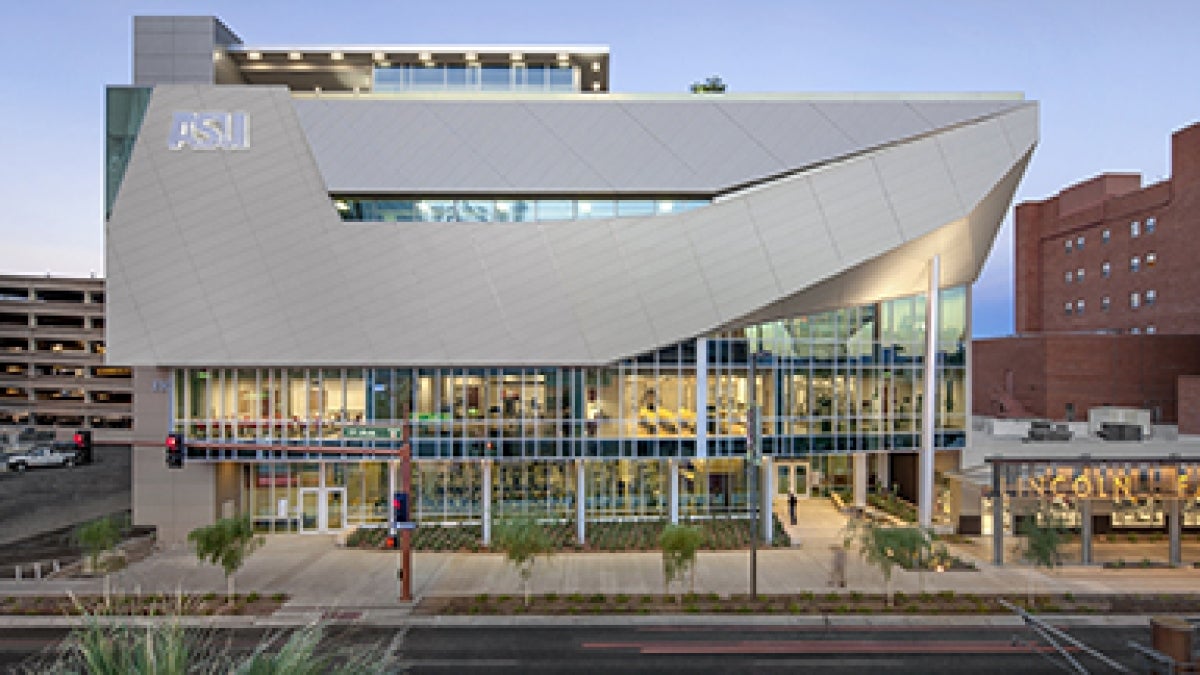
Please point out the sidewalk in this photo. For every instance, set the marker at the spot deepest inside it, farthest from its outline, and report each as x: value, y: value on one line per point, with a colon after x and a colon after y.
x: 315, y: 573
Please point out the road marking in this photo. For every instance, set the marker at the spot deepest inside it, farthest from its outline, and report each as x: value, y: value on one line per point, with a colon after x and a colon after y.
x: 457, y: 663
x: 827, y: 663
x: 824, y: 647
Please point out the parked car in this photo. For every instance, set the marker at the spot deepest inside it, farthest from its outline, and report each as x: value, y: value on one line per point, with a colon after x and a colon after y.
x: 51, y: 455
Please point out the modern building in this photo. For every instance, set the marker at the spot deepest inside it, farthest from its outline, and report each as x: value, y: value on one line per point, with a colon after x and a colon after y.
x: 53, y: 375
x: 1106, y: 308
x: 575, y: 299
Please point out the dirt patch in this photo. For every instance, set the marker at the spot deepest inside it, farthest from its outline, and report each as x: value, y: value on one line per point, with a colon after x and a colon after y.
x: 58, y: 544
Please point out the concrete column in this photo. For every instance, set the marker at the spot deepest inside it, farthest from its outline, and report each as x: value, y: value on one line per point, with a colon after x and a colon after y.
x: 929, y: 404
x: 883, y: 469
x: 767, y: 481
x: 487, y: 502
x: 580, y: 502
x: 701, y: 397
x: 673, y: 481
x: 997, y: 518
x: 860, y: 479
x: 1085, y: 536
x: 1174, y: 529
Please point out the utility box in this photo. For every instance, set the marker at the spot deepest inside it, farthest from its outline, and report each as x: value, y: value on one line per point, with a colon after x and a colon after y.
x: 1116, y: 418
x: 1172, y: 636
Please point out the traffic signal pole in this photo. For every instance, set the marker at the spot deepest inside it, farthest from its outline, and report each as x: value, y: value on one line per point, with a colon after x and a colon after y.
x: 406, y: 533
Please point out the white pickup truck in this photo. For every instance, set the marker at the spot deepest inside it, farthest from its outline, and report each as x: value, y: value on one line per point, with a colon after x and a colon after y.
x: 57, y: 454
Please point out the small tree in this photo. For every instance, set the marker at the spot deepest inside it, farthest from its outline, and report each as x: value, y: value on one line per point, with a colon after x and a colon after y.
x: 1042, y: 542
x: 97, y: 536
x: 226, y: 543
x: 886, y: 547
x: 679, y: 546
x: 521, y: 540
x: 711, y: 85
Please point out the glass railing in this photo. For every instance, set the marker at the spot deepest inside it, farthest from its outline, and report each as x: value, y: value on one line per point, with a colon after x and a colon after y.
x: 504, y: 210
x: 474, y: 77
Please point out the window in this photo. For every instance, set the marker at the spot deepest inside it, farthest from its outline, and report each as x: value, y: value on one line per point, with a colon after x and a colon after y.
x: 1104, y: 303
x: 1135, y: 228
x: 1135, y: 331
x: 1068, y: 276
x: 1135, y: 264
x: 1151, y: 258
x: 1105, y: 269
x: 1079, y: 274
x: 1079, y: 242
x: 1151, y: 296
x: 1135, y: 300
x: 1068, y: 307
x: 1079, y: 306
x: 1150, y: 225
x: 1151, y: 330
x: 1106, y: 235
x: 1067, y: 245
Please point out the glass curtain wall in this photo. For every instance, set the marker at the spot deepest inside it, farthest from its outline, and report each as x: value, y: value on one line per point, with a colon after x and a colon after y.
x: 834, y: 382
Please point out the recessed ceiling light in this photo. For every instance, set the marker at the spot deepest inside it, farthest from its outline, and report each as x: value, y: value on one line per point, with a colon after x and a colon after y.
x: 424, y: 56
x: 595, y: 66
x: 379, y: 56
x: 385, y: 64
x: 295, y: 56
x: 253, y: 56
x: 596, y: 85
x: 336, y: 56
x: 517, y: 56
x: 563, y: 56
x: 471, y: 56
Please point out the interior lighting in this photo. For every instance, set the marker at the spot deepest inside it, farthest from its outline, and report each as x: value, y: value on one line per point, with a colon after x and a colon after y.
x: 385, y: 64
x: 254, y: 56
x: 584, y: 207
x: 217, y: 55
x: 595, y: 66
x: 424, y: 56
x: 379, y: 56
x: 596, y: 85
x: 471, y: 56
x: 295, y: 56
x: 502, y: 206
x: 517, y: 56
x: 341, y: 205
x: 336, y: 56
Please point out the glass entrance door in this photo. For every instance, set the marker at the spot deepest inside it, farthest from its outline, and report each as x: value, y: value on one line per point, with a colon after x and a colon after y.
x: 791, y: 476
x: 310, y: 510
x: 322, y: 510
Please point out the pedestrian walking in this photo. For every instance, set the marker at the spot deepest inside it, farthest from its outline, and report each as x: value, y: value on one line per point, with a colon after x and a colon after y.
x: 792, y: 506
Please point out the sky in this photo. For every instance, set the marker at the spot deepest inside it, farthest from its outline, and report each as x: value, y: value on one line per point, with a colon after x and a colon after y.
x: 1113, y: 78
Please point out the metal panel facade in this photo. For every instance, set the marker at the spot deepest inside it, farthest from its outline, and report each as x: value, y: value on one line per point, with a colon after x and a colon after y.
x: 231, y: 257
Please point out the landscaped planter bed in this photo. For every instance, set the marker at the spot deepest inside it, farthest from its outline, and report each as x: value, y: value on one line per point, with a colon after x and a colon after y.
x: 804, y: 604
x: 210, y: 604
x: 719, y: 534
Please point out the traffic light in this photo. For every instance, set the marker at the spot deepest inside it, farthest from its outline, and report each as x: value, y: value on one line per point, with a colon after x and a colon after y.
x: 175, y: 451
x: 83, y: 446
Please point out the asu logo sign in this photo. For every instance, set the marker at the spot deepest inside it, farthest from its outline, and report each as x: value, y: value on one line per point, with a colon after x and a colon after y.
x: 210, y: 131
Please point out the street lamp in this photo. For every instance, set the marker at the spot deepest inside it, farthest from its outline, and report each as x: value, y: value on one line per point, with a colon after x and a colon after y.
x: 753, y: 461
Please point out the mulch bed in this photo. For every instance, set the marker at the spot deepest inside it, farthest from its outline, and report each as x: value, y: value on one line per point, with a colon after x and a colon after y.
x: 210, y: 604
x: 804, y: 604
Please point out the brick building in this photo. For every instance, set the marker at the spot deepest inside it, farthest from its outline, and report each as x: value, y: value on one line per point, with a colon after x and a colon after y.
x: 1106, y: 306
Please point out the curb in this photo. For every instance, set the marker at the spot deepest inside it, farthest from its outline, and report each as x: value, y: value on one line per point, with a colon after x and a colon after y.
x: 398, y: 617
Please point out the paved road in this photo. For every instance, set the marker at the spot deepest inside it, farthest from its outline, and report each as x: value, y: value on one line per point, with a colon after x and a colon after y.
x: 41, y: 500
x: 683, y: 649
